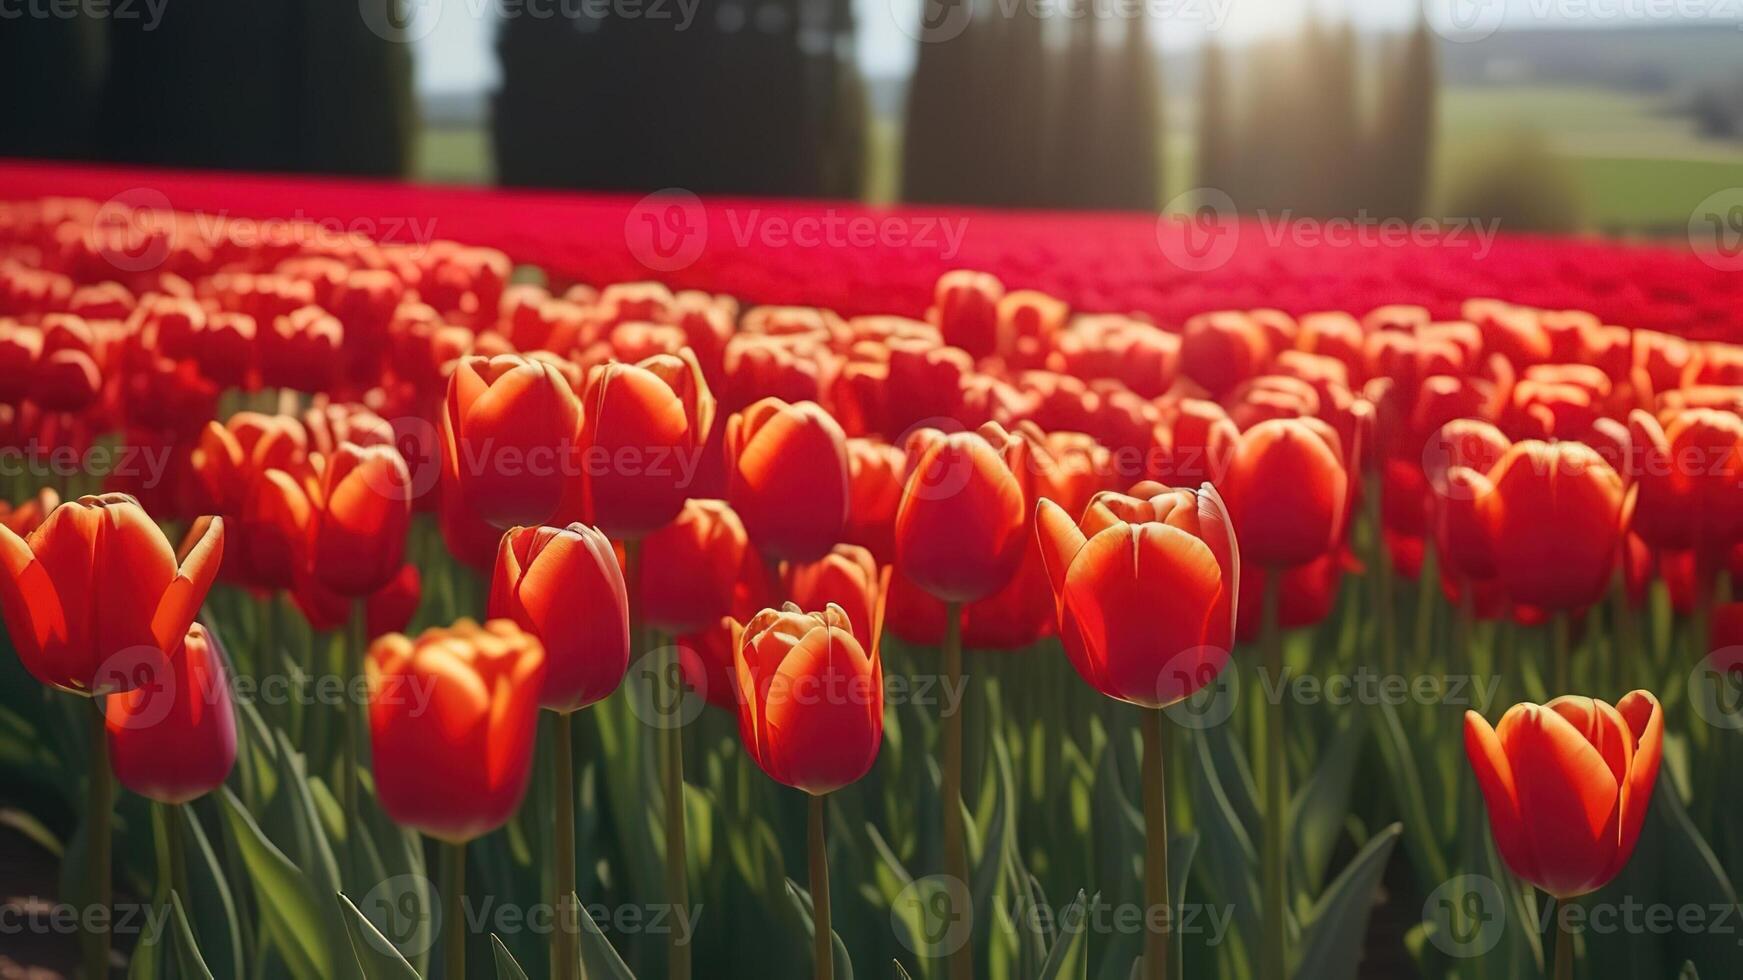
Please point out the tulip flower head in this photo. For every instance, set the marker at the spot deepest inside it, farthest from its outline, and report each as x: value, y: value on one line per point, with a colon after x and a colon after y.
x: 1567, y: 785
x: 362, y: 510
x: 174, y: 738
x: 564, y: 586
x: 810, y: 696
x: 509, y: 426
x: 788, y: 477
x: 1146, y: 588
x: 452, y: 718
x: 644, y: 427
x: 95, y: 598
x: 1288, y: 490
x: 1553, y: 522
x: 959, y: 527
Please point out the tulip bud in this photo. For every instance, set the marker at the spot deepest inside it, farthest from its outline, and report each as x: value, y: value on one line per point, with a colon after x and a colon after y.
x: 788, y: 477
x: 1288, y: 490
x: 564, y: 586
x: 811, y: 697
x: 1553, y: 521
x: 959, y: 527
x: 690, y: 567
x: 645, y: 426
x: 173, y: 738
x: 509, y: 428
x: 452, y: 719
x: 362, y: 511
x: 848, y: 577
x: 95, y: 591
x: 1567, y: 785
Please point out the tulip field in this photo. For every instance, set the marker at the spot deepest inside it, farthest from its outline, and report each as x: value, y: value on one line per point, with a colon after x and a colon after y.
x: 380, y: 611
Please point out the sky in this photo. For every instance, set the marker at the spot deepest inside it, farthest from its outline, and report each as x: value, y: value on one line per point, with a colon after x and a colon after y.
x: 455, y: 53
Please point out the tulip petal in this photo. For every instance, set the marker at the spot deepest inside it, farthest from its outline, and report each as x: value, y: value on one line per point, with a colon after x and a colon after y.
x: 1568, y: 790
x: 202, y: 554
x: 32, y: 608
x: 1640, y: 711
x: 1495, y: 778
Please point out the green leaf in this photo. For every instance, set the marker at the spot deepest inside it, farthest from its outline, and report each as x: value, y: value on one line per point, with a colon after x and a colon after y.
x: 375, y: 955
x: 1069, y: 957
x: 288, y: 904
x: 599, y: 959
x: 506, y: 967
x: 187, y: 951
x: 1332, y: 940
x: 838, y: 950
x: 212, y: 908
x: 1320, y: 810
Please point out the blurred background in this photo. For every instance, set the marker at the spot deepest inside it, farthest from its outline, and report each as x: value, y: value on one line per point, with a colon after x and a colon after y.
x: 1609, y: 116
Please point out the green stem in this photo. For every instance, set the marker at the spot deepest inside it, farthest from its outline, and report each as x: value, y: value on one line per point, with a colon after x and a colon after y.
x: 1273, y: 954
x: 352, y: 735
x: 99, y: 805
x: 174, y: 815
x: 1564, y: 944
x: 670, y: 746
x: 1559, y: 653
x: 823, y: 951
x: 454, y: 909
x: 565, y: 949
x: 1157, y: 953
x: 955, y: 849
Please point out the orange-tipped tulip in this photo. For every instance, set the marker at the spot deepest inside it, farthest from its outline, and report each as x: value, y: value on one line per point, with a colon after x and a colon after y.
x: 787, y: 477
x: 95, y: 597
x: 1288, y: 491
x: 1553, y: 521
x: 362, y: 511
x: 173, y: 738
x: 1567, y: 785
x: 1146, y: 590
x: 959, y: 527
x: 452, y: 717
x: 564, y: 586
x: 644, y: 429
x: 811, y: 697
x: 847, y: 577
x: 509, y: 427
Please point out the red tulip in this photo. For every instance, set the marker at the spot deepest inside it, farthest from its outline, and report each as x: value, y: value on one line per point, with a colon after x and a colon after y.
x: 173, y: 738
x: 564, y: 586
x: 1146, y: 590
x: 1690, y: 476
x: 966, y: 310
x: 269, y: 537
x: 645, y: 426
x: 1553, y: 521
x: 27, y: 516
x: 811, y: 697
x: 788, y: 477
x: 1305, y: 597
x: 959, y: 528
x: 874, y: 471
x: 1288, y: 491
x: 362, y: 511
x: 691, y: 567
x: 452, y: 718
x: 509, y: 429
x: 95, y: 593
x: 1568, y: 785
x: 388, y: 610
